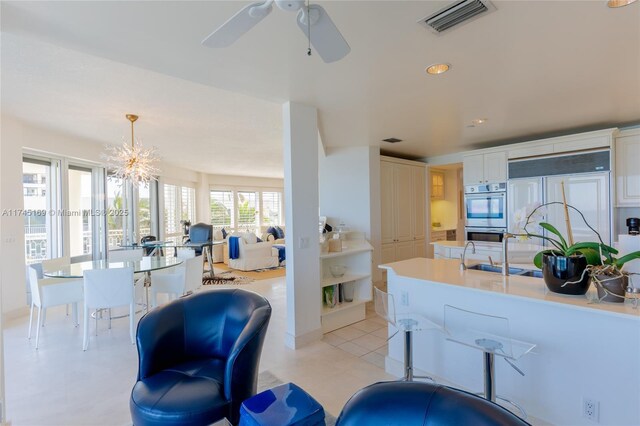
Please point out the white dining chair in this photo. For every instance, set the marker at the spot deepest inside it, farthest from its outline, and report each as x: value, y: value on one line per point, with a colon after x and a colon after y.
x: 183, y: 279
x: 54, y: 265
x: 48, y: 292
x: 106, y: 289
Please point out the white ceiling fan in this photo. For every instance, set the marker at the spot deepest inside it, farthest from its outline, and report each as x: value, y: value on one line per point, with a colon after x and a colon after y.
x: 313, y: 20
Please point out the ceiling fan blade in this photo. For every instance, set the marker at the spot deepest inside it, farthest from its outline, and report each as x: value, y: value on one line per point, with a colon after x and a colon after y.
x: 237, y: 25
x: 325, y: 36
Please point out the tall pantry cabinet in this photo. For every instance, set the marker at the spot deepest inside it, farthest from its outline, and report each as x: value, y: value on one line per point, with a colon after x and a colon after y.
x: 403, y: 202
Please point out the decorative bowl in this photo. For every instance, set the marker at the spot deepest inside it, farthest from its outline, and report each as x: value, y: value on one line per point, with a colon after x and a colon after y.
x: 337, y: 270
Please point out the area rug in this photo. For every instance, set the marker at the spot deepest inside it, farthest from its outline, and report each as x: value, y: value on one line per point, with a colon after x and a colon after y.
x: 266, y: 380
x: 225, y: 277
x: 260, y: 274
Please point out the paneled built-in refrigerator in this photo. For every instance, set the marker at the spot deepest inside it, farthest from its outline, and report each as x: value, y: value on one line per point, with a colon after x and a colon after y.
x: 586, y: 178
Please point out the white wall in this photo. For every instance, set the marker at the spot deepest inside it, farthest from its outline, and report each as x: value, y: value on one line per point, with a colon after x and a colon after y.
x: 349, y: 181
x: 300, y: 140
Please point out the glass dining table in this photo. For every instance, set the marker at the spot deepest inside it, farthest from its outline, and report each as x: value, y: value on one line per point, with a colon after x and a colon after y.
x: 146, y: 266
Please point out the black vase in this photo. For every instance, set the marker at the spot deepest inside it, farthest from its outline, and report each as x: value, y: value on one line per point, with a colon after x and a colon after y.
x: 558, y: 270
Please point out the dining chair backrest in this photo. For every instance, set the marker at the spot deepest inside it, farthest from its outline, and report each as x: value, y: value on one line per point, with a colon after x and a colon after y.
x: 33, y: 285
x: 193, y: 273
x: 385, y: 306
x: 108, y: 288
x: 55, y: 263
x: 126, y: 255
x: 185, y: 253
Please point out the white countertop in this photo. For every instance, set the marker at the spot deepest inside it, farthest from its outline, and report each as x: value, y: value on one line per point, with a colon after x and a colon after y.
x: 447, y: 272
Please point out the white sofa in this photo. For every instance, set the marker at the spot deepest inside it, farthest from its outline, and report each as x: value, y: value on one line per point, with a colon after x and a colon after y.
x: 252, y: 255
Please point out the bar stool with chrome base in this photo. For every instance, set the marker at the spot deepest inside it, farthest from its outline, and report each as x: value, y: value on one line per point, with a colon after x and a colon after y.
x: 491, y: 335
x: 405, y: 322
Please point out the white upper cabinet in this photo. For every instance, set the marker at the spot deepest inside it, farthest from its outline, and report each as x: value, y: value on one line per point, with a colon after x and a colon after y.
x: 485, y: 168
x: 628, y: 168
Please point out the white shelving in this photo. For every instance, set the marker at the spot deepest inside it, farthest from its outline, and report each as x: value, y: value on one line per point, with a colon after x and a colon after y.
x: 356, y: 256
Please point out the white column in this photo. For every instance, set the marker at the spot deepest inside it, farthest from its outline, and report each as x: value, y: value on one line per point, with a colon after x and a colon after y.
x: 203, y: 208
x: 301, y: 212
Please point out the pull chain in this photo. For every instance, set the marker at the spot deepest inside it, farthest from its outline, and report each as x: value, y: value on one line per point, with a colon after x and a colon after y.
x: 309, y: 29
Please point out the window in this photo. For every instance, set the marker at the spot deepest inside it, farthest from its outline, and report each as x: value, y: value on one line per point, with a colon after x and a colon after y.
x: 80, y: 181
x: 41, y: 228
x: 271, y: 208
x: 179, y: 205
x: 222, y: 209
x: 243, y: 210
x: 116, y: 223
x: 247, y: 210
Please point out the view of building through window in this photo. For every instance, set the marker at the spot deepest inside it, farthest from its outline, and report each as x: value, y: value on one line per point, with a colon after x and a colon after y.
x: 37, y: 229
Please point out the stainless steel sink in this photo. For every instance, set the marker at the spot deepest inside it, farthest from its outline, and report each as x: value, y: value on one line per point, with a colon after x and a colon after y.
x: 532, y: 273
x: 491, y: 268
x: 512, y: 271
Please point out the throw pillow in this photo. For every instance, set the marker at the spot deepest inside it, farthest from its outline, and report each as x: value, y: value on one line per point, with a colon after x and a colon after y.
x: 218, y: 235
x: 279, y: 232
x: 271, y: 230
x: 224, y: 234
x: 249, y: 238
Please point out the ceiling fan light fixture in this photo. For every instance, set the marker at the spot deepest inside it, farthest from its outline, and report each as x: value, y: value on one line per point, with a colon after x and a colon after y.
x: 619, y: 3
x: 437, y: 69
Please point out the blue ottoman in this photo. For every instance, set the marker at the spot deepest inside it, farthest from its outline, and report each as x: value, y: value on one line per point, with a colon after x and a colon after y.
x: 284, y: 405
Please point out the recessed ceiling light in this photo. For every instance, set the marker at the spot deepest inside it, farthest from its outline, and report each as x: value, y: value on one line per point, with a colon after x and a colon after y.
x: 477, y: 122
x: 392, y: 140
x: 619, y: 3
x: 436, y: 69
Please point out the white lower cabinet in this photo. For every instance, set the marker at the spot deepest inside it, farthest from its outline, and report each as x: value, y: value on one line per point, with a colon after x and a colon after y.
x: 356, y: 257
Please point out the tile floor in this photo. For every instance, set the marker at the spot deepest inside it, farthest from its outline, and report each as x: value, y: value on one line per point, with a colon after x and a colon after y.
x: 59, y: 384
x: 366, y: 339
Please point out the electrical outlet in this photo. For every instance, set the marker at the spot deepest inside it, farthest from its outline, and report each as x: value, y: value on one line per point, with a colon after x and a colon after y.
x: 591, y: 409
x: 404, y: 298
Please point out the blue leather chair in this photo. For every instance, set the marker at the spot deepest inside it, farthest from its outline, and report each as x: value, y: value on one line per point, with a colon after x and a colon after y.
x: 200, y: 233
x: 421, y: 404
x: 198, y: 358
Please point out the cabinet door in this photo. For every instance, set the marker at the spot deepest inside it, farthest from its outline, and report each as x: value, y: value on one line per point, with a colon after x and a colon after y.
x: 404, y: 250
x: 403, y: 203
x: 388, y: 253
x: 473, y: 169
x: 495, y: 167
x: 387, y: 202
x: 419, y: 248
x: 627, y: 170
x: 588, y: 193
x: 419, y: 198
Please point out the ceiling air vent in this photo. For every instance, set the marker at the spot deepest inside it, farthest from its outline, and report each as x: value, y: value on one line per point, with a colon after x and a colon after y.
x: 392, y: 140
x: 455, y: 14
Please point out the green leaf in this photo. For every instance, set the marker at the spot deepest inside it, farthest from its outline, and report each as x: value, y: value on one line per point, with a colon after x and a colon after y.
x: 593, y: 256
x: 556, y: 243
x: 624, y: 259
x: 549, y: 227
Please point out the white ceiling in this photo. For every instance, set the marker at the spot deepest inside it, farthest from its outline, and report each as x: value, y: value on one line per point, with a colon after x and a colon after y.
x: 530, y: 67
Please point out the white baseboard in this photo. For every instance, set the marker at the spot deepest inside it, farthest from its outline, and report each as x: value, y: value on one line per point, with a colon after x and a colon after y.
x: 15, y: 313
x: 296, y: 342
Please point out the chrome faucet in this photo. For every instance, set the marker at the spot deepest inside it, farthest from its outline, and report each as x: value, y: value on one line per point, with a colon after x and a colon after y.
x: 505, y: 253
x: 463, y: 267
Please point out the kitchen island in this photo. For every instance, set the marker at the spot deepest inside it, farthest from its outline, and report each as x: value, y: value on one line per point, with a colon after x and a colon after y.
x: 584, y: 350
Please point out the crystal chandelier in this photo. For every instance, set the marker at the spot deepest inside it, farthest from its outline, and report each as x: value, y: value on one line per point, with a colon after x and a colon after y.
x: 132, y: 163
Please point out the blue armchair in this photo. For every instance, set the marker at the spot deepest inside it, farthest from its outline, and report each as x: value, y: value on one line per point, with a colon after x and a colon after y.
x: 198, y: 358
x: 200, y: 233
x: 420, y: 404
